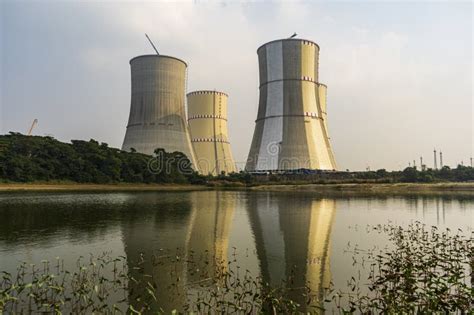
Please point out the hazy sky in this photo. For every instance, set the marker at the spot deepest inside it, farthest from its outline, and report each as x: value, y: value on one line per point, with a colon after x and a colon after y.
x: 399, y: 75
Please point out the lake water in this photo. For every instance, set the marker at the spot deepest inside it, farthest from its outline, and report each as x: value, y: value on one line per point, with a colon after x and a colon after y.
x: 271, y: 233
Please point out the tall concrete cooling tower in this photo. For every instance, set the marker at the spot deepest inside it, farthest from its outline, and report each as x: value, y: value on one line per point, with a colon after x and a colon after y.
x: 290, y: 132
x: 157, y: 114
x: 323, y: 89
x: 207, y: 118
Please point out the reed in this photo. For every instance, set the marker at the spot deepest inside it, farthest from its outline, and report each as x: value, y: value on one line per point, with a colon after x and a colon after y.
x: 423, y: 270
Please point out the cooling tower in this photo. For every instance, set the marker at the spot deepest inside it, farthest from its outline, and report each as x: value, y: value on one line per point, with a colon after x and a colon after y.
x: 290, y: 132
x: 207, y: 119
x: 157, y: 114
x: 322, y: 90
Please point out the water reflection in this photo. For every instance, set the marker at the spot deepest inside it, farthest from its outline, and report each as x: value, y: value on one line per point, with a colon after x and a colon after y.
x: 292, y: 236
x: 199, y: 236
x: 210, y: 228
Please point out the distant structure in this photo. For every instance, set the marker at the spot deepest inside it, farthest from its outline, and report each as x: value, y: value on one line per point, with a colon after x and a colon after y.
x: 422, y: 166
x: 291, y: 129
x: 207, y: 119
x: 440, y: 159
x: 33, y: 125
x: 157, y: 112
x: 435, y: 164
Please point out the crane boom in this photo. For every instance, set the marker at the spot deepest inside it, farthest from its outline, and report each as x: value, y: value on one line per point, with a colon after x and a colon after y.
x: 35, y: 122
x: 153, y: 45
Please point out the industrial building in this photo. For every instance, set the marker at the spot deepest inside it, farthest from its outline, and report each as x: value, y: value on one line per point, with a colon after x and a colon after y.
x: 291, y: 128
x: 157, y: 110
x: 207, y: 119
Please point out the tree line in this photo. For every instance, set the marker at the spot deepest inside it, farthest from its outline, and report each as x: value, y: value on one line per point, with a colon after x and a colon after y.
x: 34, y: 158
x: 408, y: 175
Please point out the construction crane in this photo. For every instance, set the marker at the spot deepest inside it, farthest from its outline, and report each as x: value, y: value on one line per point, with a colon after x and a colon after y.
x: 153, y: 45
x: 35, y: 122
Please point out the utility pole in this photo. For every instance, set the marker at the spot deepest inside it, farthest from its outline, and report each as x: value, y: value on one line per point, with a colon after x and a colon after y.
x: 435, y: 164
x: 440, y: 159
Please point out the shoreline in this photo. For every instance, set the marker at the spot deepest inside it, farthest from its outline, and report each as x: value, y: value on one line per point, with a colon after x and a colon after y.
x: 10, y: 187
x: 366, y: 188
x: 373, y: 187
x: 465, y: 190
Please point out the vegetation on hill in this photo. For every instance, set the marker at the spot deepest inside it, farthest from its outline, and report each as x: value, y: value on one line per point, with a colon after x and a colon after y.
x: 33, y: 158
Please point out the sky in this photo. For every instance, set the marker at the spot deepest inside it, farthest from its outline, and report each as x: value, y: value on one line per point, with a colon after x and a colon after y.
x: 399, y: 74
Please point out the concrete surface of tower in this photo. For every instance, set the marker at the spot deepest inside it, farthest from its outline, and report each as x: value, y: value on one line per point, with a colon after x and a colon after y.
x: 157, y: 111
x: 290, y: 131
x: 207, y: 119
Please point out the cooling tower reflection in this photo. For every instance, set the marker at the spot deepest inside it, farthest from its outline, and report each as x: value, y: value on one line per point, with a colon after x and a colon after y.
x: 166, y: 228
x: 188, y: 240
x: 209, y: 234
x: 292, y: 236
x: 182, y: 245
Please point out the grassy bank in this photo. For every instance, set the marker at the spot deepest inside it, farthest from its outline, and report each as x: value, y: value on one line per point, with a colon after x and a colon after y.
x: 376, y: 188
x: 399, y: 188
x: 97, y: 187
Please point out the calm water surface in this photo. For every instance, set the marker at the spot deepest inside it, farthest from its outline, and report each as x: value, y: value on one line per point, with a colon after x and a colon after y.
x: 270, y: 232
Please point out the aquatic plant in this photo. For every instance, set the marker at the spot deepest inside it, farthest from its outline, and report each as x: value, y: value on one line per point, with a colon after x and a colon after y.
x: 423, y: 270
x: 109, y: 285
x: 96, y: 285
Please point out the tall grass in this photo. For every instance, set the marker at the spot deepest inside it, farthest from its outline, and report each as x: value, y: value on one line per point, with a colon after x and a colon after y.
x: 425, y: 271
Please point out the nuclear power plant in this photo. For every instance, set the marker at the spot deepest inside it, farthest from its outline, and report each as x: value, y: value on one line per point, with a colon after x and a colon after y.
x: 291, y: 129
x: 157, y: 110
x: 207, y: 118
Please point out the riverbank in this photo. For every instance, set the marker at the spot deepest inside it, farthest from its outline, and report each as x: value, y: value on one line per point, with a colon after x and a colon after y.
x: 98, y: 187
x: 376, y: 188
x: 398, y: 188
